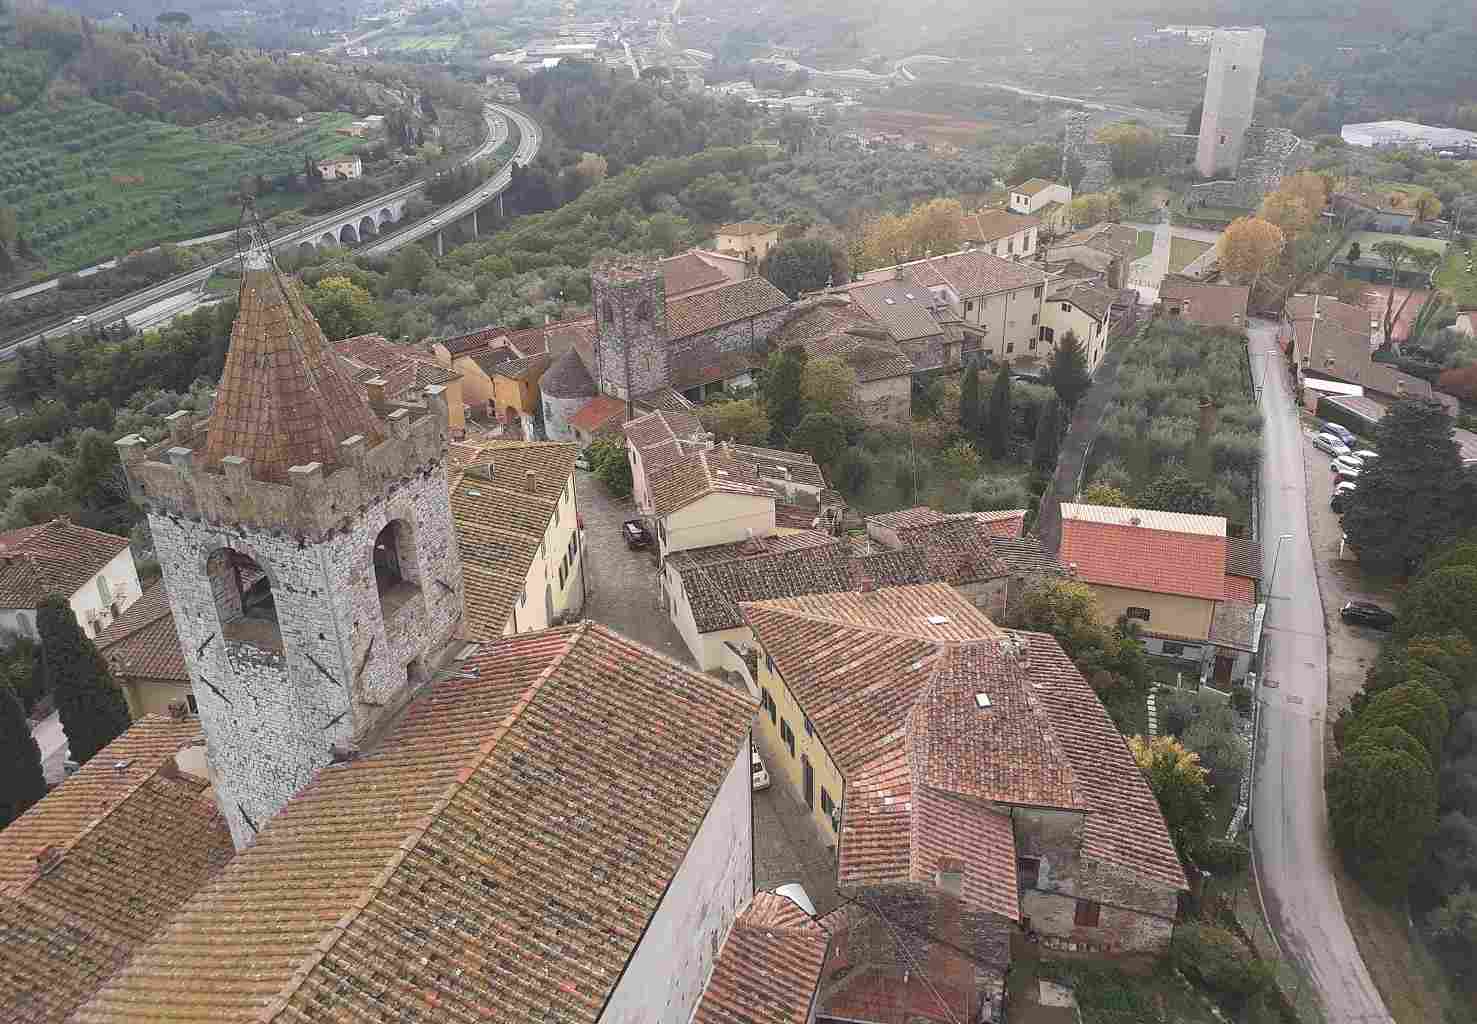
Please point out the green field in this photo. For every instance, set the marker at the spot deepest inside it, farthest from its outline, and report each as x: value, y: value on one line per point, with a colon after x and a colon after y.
x: 1145, y: 244
x: 88, y: 182
x: 437, y: 41
x: 1458, y: 275
x: 1184, y: 251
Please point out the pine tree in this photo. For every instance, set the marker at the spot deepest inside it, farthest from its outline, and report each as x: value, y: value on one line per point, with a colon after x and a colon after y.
x: 999, y: 429
x: 969, y: 403
x: 21, y: 780
x: 1066, y: 371
x: 93, y: 709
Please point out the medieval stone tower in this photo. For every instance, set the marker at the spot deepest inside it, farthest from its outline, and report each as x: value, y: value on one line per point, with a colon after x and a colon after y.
x: 308, y: 550
x: 1230, y: 99
x: 630, y: 300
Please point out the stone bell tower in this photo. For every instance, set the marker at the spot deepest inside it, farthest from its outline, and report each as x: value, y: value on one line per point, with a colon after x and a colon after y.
x: 307, y: 547
x: 630, y: 299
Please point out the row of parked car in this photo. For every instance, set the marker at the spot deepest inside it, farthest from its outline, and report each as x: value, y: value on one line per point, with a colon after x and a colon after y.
x: 1349, y: 460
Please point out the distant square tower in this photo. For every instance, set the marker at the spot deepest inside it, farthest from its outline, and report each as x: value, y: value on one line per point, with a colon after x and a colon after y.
x: 1230, y: 99
x: 630, y: 299
x: 307, y: 547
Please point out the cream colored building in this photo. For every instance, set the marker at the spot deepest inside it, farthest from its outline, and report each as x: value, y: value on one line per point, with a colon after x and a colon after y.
x: 1189, y: 587
x: 142, y: 649
x: 1000, y: 299
x: 1086, y: 310
x: 749, y: 239
x: 1035, y: 194
x: 517, y: 523
x: 94, y: 570
x: 1000, y: 233
x: 341, y: 168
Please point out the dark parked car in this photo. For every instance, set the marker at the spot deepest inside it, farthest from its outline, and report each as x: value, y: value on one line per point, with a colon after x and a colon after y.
x: 637, y: 536
x: 1343, y: 433
x: 1342, y: 496
x: 1362, y: 613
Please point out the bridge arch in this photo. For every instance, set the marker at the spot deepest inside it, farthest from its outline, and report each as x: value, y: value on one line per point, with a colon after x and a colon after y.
x: 367, y: 227
x: 347, y: 234
x: 306, y: 248
x: 387, y: 216
x: 328, y: 239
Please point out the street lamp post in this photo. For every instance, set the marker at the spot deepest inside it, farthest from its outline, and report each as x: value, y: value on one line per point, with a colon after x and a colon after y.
x: 1276, y: 559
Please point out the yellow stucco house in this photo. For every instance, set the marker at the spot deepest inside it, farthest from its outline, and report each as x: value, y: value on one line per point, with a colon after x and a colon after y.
x: 749, y: 239
x: 1084, y: 309
x: 517, y: 524
x: 142, y: 650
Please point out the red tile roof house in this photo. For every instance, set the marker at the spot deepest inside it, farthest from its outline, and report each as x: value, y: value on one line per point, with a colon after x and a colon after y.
x: 1189, y: 586
x: 93, y: 570
x: 972, y: 787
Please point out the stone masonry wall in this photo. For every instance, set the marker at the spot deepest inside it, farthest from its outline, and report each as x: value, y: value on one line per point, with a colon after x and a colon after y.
x: 631, y: 317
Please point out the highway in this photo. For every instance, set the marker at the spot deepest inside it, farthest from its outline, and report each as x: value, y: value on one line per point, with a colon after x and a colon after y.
x: 528, y: 143
x: 195, y: 279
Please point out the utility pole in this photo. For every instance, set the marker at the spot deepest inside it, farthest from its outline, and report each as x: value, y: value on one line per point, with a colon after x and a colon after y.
x: 1276, y: 559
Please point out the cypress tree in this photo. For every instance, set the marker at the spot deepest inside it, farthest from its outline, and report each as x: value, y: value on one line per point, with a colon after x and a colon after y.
x: 1048, y: 432
x: 1000, y: 415
x: 21, y: 780
x: 93, y: 709
x: 969, y: 403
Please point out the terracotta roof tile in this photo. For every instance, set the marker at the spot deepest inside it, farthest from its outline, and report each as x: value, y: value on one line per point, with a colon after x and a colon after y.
x: 568, y: 377
x: 887, y: 302
x: 663, y: 400
x: 1116, y: 239
x: 528, y: 368
x: 1154, y: 556
x: 282, y: 401
x: 836, y: 327
x: 701, y: 472
x: 746, y: 227
x: 656, y: 428
x: 601, y: 413
x: 131, y: 844
x: 702, y: 311
x: 697, y: 366
x: 769, y: 967
x: 143, y: 643
x: 1025, y: 554
x: 500, y: 525
x: 950, y: 833
x: 973, y: 273
x: 1243, y: 557
x: 688, y: 272
x: 1215, y: 305
x: 499, y: 852
x: 715, y: 588
x: 404, y: 368
x: 988, y: 225
x: 56, y: 557
x: 1093, y: 299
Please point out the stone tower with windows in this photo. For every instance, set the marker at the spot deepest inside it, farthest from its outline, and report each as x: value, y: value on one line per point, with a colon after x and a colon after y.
x: 307, y: 546
x: 630, y: 299
x: 1230, y: 99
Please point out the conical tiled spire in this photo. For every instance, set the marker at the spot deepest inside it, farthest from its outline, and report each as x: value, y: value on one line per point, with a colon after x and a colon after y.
x: 282, y: 400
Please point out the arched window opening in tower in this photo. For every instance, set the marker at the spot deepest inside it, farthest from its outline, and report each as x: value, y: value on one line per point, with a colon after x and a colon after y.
x: 243, y: 599
x: 395, y: 567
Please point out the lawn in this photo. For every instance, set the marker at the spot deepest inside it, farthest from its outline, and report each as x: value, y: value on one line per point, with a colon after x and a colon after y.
x: 1184, y: 251
x: 1369, y: 239
x: 1458, y: 275
x: 438, y: 41
x: 1214, y: 213
x: 88, y: 181
x: 1145, y: 244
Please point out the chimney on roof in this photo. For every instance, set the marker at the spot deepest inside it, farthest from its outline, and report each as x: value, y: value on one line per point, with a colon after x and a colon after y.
x: 1133, y: 521
x: 868, y: 584
x: 530, y: 482
x: 47, y: 859
x: 376, y: 388
x: 343, y: 753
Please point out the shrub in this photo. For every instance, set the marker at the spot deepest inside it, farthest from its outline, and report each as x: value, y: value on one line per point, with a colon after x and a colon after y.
x: 990, y: 493
x: 1217, y: 960
x: 1223, y: 856
x: 1176, y: 709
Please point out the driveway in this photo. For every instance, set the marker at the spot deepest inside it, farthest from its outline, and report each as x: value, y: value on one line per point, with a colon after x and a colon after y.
x: 1289, y: 815
x: 622, y: 587
x: 786, y: 847
x: 1086, y: 419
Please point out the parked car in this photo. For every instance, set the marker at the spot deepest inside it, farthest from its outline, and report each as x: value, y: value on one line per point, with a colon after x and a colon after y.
x: 1339, y: 431
x: 1343, y: 494
x: 1365, y: 455
x: 761, y: 774
x: 796, y: 894
x: 1365, y: 613
x: 1346, y: 464
x: 637, y: 536
x: 1343, y: 476
x: 1330, y: 444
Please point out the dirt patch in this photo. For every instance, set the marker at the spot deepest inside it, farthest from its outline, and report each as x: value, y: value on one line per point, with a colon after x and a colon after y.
x: 933, y: 128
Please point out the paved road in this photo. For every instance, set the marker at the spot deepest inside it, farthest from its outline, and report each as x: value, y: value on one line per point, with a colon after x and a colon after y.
x: 194, y: 279
x: 1290, y: 817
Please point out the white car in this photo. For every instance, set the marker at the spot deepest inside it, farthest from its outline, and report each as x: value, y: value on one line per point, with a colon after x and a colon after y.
x: 761, y: 774
x: 1346, y: 465
x: 1330, y: 444
x: 1364, y: 455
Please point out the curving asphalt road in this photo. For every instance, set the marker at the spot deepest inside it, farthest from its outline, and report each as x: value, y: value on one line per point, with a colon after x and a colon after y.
x: 528, y: 144
x: 196, y: 278
x: 1289, y: 815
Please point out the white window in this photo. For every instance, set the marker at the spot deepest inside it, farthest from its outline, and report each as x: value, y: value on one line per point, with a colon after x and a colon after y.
x: 104, y: 592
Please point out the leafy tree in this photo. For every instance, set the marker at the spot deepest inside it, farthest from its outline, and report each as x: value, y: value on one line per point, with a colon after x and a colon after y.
x: 710, y: 197
x: 999, y: 427
x: 782, y: 391
x: 930, y: 227
x: 22, y: 781
x: 803, y: 265
x: 1414, y: 496
x: 1106, y: 494
x: 1094, y: 207
x: 1288, y: 212
x: 995, y: 493
x: 960, y: 461
x: 1249, y: 248
x: 9, y: 225
x: 1213, y: 736
x: 1047, y: 442
x: 1354, y: 252
x: 970, y: 410
x: 408, y: 268
x: 611, y: 466
x: 93, y: 710
x: 828, y: 384
x: 1179, y: 785
x: 1133, y: 147
x: 1174, y: 491
x: 1392, y: 737
x: 1399, y: 255
x: 1066, y: 371
x: 1426, y: 205
x: 822, y: 434
x: 1221, y: 963
x: 1411, y: 706
x: 1066, y: 609
x: 1381, y: 809
x: 742, y: 420
x: 342, y: 308
x: 1454, y: 927
x: 1041, y: 160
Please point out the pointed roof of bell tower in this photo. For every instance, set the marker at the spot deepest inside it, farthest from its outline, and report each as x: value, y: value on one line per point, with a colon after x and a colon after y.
x: 283, y: 400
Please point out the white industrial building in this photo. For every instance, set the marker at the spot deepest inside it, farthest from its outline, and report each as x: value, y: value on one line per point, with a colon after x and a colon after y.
x: 1407, y: 133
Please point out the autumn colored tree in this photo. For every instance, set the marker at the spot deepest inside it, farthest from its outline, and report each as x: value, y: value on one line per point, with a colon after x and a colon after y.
x: 929, y: 228
x: 828, y: 384
x: 1288, y: 211
x: 1249, y: 248
x: 1134, y: 148
x: 1094, y: 207
x: 1311, y: 188
x: 1105, y: 494
x: 1426, y: 205
x: 1179, y: 784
